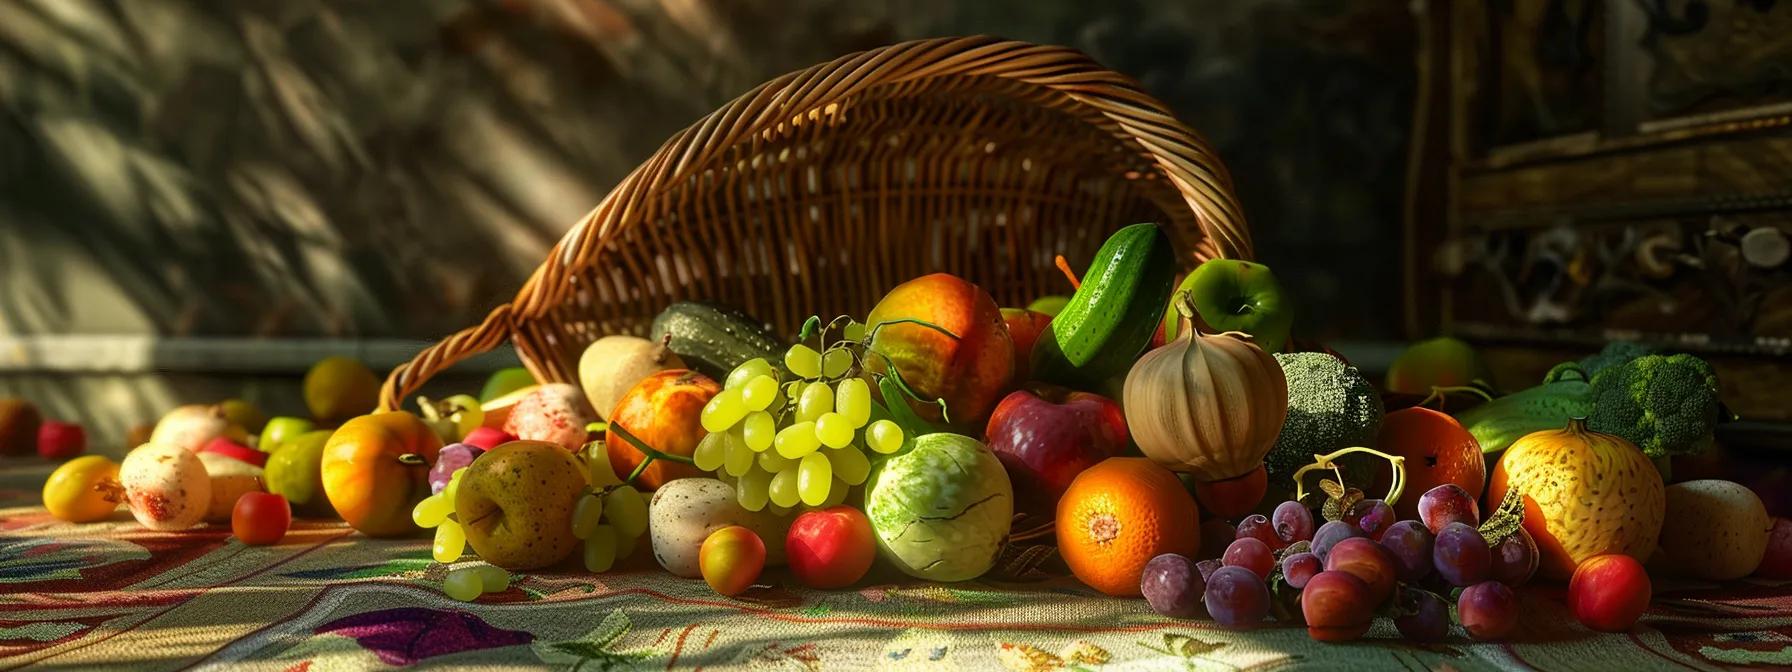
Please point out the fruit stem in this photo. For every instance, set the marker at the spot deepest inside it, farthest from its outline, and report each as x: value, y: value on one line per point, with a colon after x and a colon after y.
x: 1438, y: 394
x: 909, y: 320
x: 1064, y: 267
x: 1185, y: 311
x: 1577, y: 425
x: 646, y: 450
x: 664, y: 349
x: 1329, y: 461
x: 412, y: 459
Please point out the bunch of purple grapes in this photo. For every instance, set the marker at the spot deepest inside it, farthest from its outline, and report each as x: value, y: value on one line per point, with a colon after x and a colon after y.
x: 1344, y: 572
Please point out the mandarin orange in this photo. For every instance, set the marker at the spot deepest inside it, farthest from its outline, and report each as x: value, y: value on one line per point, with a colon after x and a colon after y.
x: 1118, y: 515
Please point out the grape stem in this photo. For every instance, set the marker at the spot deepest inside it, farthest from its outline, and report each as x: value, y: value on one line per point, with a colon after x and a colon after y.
x: 1438, y: 394
x: 909, y: 320
x: 1329, y: 461
x: 646, y: 450
x: 895, y: 376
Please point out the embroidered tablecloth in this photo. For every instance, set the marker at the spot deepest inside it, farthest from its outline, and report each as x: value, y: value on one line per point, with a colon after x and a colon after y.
x: 114, y: 595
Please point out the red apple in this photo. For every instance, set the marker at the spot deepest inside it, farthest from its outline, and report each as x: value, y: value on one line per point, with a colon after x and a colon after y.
x: 232, y: 449
x: 1047, y: 435
x: 1024, y: 328
x: 1234, y: 496
x: 487, y: 438
x: 969, y: 369
x: 830, y: 548
x: 60, y: 440
x: 1608, y: 593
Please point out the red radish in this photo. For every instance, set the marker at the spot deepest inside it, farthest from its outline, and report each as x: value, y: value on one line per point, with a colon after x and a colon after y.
x: 232, y: 449
x: 487, y: 437
x: 60, y: 440
x: 830, y: 548
x: 1608, y: 593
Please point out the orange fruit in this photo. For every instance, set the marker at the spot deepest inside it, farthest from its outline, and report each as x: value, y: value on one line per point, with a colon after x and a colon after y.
x: 1118, y: 515
x: 1437, y: 451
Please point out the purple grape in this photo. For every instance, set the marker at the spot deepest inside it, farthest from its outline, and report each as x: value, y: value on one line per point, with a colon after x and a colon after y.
x: 1208, y: 567
x: 1372, y: 516
x: 451, y: 458
x: 1250, y: 554
x: 1515, y: 559
x: 1448, y: 503
x: 1461, y: 556
x: 1429, y: 617
x: 1293, y: 522
x: 1256, y: 526
x: 1410, y: 543
x: 1298, y: 568
x: 1330, y: 534
x: 1173, y: 585
x: 1236, y: 598
x: 1488, y: 610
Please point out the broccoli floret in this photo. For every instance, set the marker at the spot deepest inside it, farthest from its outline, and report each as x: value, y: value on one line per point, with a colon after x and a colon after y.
x: 1615, y: 353
x: 1330, y: 406
x: 1665, y: 404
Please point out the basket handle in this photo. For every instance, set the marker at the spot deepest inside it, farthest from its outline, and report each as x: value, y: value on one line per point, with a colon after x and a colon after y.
x: 474, y: 340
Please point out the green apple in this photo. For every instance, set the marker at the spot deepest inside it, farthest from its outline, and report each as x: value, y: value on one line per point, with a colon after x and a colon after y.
x: 1439, y: 362
x: 515, y: 503
x: 1236, y: 295
x: 505, y: 381
x: 296, y: 472
x: 1050, y: 305
x: 281, y: 430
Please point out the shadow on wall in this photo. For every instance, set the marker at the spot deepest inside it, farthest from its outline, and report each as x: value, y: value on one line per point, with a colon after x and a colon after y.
x: 309, y: 169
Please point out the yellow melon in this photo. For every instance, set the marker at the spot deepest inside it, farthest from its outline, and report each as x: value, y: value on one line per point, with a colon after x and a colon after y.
x: 1585, y: 494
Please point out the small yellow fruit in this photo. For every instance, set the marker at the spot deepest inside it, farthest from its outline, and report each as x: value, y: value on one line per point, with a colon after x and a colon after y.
x: 339, y: 388
x: 76, y: 491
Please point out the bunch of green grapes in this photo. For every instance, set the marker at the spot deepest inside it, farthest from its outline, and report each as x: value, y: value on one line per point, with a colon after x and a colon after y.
x: 799, y: 441
x: 610, y: 517
x: 437, y: 511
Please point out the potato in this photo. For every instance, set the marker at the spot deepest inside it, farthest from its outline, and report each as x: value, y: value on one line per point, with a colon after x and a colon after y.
x: 685, y: 511
x: 231, y: 478
x: 166, y: 486
x: 1714, y: 530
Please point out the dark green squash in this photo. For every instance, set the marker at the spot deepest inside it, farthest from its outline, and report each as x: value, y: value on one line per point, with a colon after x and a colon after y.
x: 714, y: 339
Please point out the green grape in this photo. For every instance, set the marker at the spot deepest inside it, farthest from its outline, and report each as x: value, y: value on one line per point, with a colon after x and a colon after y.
x: 884, y: 436
x: 817, y: 399
x: 452, y: 491
x: 600, y: 549
x: 451, y: 542
x: 463, y: 585
x: 783, y: 488
x: 759, y: 393
x: 772, y: 462
x: 854, y: 330
x: 725, y: 478
x: 432, y: 510
x: 739, y: 457
x: 803, y: 361
x: 492, y: 578
x: 759, y: 430
x: 723, y: 410
x: 707, y: 456
x: 852, y: 398
x: 625, y: 546
x: 751, y: 491
x: 586, y: 515
x: 835, y: 362
x: 747, y: 371
x: 836, y: 495
x: 833, y: 430
x: 597, y: 466
x: 814, y: 478
x: 627, y: 511
x: 850, y: 464
x: 797, y: 440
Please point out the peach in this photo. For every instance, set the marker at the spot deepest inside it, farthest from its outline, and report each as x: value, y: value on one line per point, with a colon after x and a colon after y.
x: 969, y: 369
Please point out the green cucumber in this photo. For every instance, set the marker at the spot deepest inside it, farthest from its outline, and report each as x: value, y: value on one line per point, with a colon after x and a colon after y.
x: 1564, y: 394
x: 713, y: 339
x: 1109, y: 320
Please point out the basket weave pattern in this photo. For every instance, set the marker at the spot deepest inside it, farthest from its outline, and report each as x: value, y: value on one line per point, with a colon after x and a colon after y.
x: 820, y: 190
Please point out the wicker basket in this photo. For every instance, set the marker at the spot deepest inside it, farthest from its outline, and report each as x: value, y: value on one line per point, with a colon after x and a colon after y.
x: 820, y: 190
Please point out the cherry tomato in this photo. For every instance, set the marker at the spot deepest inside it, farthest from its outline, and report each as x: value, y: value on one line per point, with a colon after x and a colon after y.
x: 260, y: 518
x: 731, y: 559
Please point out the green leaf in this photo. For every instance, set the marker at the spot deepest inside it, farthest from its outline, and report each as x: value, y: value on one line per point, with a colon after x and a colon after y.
x: 1189, y: 647
x: 894, y: 401
x: 1505, y: 520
